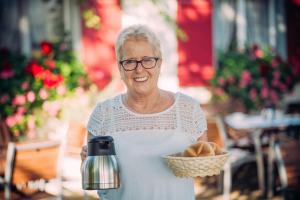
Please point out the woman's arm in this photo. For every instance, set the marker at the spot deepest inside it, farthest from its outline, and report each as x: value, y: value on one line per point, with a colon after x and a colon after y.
x: 94, y: 124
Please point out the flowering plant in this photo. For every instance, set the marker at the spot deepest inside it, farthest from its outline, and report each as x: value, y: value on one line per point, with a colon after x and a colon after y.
x: 256, y: 77
x: 29, y: 85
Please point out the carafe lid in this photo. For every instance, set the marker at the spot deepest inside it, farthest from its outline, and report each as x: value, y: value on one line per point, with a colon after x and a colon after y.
x: 101, y: 145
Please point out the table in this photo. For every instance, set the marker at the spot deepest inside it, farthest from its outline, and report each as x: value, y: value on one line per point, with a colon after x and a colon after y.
x: 257, y: 124
x: 244, y: 121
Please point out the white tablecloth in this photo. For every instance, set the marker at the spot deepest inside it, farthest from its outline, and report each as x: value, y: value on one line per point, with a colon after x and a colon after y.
x: 243, y: 121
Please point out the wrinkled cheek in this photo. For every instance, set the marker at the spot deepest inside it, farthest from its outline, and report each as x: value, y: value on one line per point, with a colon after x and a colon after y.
x: 128, y: 82
x: 122, y: 77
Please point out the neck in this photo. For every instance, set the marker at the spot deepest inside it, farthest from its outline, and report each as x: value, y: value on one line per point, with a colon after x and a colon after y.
x: 143, y: 103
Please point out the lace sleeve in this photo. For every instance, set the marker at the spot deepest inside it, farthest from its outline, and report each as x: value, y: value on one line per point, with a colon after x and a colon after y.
x: 95, y: 122
x: 193, y: 120
x: 199, y: 122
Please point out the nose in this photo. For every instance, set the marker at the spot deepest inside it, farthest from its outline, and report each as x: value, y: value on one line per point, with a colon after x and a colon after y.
x: 139, y: 67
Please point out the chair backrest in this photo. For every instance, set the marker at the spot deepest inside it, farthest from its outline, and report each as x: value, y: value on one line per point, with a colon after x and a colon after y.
x: 218, y: 132
x: 213, y: 133
x: 32, y: 161
x: 223, y: 132
x: 5, y: 136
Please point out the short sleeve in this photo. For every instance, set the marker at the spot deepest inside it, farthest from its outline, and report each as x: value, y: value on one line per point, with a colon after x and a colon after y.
x: 95, y: 122
x: 199, y: 122
x: 192, y: 118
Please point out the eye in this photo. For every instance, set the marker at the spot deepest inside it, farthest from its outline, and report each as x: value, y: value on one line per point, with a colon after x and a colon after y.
x: 128, y: 62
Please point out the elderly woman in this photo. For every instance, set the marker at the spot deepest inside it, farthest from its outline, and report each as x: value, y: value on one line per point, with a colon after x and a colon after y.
x: 146, y: 123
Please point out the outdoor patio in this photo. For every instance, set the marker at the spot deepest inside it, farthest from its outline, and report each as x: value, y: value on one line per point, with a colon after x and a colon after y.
x: 244, y: 188
x: 238, y: 59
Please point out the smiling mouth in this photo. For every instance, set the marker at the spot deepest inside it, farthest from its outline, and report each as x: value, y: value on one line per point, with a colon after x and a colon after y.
x: 141, y: 79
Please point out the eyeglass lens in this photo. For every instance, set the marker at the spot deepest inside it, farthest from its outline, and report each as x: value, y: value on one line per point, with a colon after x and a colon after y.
x: 147, y: 63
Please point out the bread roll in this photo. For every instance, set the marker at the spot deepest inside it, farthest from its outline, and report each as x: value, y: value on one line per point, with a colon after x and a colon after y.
x: 199, y: 149
x: 190, y: 152
x: 216, y: 148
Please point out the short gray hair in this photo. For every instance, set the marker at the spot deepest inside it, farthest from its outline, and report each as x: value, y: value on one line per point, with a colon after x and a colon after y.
x: 137, y: 32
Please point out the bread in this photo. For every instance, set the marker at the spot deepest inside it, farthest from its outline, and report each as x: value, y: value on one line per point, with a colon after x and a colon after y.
x: 216, y: 148
x: 199, y: 149
x: 202, y: 148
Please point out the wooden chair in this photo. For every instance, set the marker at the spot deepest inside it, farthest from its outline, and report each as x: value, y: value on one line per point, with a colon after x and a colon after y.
x: 281, y: 154
x: 287, y: 160
x: 238, y: 157
x: 5, y: 138
x: 213, y: 133
x: 29, y: 162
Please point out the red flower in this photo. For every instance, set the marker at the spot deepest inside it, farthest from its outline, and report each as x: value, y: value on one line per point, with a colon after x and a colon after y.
x: 51, y: 80
x: 25, y: 85
x: 246, y: 78
x: 221, y: 81
x: 276, y: 61
x: 50, y: 63
x: 256, y: 52
x: 46, y: 47
x: 19, y: 100
x: 35, y: 69
x: 7, y: 73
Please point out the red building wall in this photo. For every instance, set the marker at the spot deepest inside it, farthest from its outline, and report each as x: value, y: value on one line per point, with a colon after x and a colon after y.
x: 293, y: 33
x: 98, y: 45
x: 195, y: 65
x: 196, y: 54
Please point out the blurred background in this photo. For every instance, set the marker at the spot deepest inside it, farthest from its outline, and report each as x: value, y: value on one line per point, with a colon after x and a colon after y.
x: 57, y: 60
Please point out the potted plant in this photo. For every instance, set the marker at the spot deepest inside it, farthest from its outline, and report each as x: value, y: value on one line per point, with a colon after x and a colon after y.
x: 29, y: 87
x: 255, y: 77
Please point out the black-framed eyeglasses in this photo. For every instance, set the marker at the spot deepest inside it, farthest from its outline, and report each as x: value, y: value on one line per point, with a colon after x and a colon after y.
x: 146, y: 62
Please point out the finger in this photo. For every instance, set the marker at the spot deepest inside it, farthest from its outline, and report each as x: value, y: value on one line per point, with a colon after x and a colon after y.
x: 83, y: 155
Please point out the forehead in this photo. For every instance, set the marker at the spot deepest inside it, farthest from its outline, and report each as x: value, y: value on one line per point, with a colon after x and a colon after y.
x: 137, y: 48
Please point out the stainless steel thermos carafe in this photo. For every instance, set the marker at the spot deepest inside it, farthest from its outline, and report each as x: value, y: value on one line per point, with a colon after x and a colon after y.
x: 100, y: 170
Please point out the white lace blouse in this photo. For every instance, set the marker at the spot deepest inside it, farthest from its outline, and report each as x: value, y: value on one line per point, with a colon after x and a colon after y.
x: 141, y: 140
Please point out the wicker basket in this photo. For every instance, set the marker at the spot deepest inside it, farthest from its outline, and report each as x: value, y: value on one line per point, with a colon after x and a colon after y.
x: 196, y: 166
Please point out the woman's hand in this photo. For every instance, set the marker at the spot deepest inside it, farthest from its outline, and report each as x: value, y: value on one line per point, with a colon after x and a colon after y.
x: 83, y: 153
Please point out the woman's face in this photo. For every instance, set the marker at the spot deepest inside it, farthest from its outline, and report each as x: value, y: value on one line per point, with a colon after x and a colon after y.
x: 139, y: 81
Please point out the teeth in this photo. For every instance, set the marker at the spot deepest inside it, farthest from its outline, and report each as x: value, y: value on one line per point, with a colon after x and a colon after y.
x: 140, y: 79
